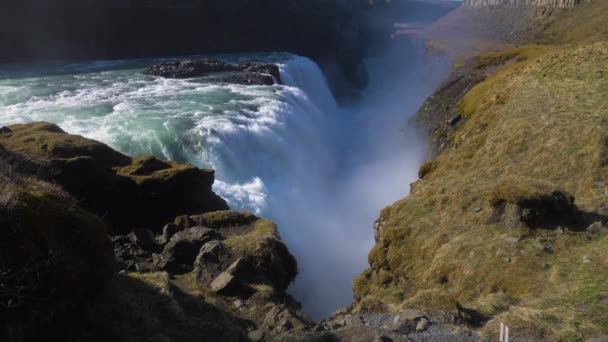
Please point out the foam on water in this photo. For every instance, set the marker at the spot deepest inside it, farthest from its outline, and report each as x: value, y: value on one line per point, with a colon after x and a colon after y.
x: 284, y: 151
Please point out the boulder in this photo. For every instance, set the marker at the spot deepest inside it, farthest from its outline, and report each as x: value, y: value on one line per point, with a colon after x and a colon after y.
x: 120, y: 189
x: 143, y: 238
x: 596, y: 228
x: 533, y: 204
x: 422, y: 325
x: 245, y: 73
x: 210, y: 262
x: 168, y: 231
x: 182, y: 250
x: 407, y: 321
x: 55, y: 257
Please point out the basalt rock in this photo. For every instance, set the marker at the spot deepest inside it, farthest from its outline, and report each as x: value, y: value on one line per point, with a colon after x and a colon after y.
x: 118, y: 188
x: 246, y: 73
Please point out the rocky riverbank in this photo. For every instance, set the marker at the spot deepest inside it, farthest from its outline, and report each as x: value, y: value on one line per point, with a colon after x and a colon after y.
x: 100, y: 246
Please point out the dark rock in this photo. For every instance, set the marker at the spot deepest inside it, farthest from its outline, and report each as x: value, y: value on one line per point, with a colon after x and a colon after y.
x: 407, y: 321
x: 168, y: 231
x: 5, y: 130
x: 454, y: 120
x: 533, y: 205
x: 246, y: 73
x: 422, y: 325
x: 210, y: 262
x: 596, y: 228
x: 238, y: 303
x: 182, y: 250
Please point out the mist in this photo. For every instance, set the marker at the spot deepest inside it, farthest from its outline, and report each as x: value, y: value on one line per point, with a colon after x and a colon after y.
x: 368, y: 156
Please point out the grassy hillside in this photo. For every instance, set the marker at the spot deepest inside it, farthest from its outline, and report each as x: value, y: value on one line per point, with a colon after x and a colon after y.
x: 490, y: 229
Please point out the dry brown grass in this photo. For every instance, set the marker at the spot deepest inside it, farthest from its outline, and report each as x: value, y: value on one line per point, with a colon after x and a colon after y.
x: 539, y: 124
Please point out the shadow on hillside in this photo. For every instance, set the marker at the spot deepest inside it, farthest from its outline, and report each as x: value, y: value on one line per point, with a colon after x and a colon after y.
x: 134, y: 309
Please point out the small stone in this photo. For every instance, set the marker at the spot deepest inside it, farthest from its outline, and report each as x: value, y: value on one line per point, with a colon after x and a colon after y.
x: 144, y: 238
x: 539, y: 246
x: 596, y: 228
x: 423, y: 325
x: 512, y: 240
x: 559, y: 231
x: 407, y: 321
x: 477, y: 210
x: 546, y: 266
x: 603, y: 211
x: 586, y: 260
x: 238, y: 304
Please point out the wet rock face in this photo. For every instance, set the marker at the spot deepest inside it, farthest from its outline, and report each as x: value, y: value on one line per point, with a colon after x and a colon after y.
x: 54, y: 257
x: 245, y: 73
x: 116, y: 187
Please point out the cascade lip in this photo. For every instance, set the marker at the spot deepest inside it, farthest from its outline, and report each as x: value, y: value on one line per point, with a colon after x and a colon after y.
x: 219, y: 72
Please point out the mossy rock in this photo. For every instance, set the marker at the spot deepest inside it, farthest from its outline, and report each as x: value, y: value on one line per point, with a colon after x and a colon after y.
x: 128, y: 193
x: 265, y: 257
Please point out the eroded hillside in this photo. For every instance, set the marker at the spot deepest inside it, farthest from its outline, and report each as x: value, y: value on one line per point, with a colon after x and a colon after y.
x: 507, y: 224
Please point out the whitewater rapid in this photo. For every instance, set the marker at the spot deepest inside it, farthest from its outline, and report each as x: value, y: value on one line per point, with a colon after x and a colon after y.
x: 287, y: 152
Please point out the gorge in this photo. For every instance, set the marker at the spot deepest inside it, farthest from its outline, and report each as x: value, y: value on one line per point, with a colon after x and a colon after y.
x: 183, y: 129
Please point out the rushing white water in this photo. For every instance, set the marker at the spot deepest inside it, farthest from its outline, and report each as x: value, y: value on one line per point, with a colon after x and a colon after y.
x: 286, y: 151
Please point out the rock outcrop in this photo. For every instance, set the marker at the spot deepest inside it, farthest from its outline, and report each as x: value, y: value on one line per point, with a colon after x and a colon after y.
x: 116, y: 187
x: 245, y: 73
x: 54, y: 258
